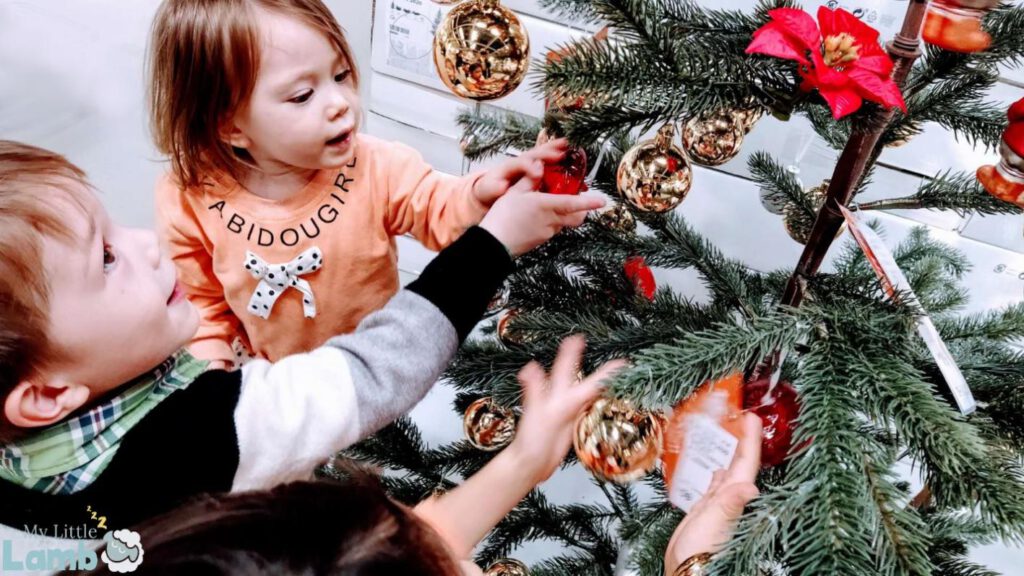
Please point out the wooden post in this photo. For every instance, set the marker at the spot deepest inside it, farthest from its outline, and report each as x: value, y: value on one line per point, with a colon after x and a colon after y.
x: 856, y: 159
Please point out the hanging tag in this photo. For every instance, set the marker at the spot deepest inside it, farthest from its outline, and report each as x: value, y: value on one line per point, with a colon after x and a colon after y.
x: 702, y: 438
x: 894, y: 283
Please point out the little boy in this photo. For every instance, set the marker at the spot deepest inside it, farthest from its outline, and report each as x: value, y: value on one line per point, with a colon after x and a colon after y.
x: 104, y: 413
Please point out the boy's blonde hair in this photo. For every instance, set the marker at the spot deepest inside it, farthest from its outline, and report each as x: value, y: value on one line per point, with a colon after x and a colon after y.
x: 32, y: 181
x: 203, y: 63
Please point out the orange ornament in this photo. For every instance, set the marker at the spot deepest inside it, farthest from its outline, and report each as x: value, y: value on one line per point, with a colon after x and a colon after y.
x: 721, y: 400
x: 955, y: 25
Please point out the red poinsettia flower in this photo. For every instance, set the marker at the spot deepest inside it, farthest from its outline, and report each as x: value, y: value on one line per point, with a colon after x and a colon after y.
x: 843, y: 59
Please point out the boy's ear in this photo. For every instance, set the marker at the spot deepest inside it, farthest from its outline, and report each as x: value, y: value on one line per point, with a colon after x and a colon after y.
x: 233, y: 135
x: 38, y: 404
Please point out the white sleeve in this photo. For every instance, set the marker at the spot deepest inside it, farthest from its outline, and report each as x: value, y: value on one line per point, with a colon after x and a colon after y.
x: 291, y: 415
x: 296, y: 413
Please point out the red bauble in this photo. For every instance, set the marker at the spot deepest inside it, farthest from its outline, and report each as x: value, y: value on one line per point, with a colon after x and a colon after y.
x: 566, y: 176
x: 777, y: 411
x: 639, y: 273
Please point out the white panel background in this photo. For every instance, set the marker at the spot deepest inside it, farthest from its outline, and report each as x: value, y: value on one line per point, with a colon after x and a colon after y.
x: 71, y: 79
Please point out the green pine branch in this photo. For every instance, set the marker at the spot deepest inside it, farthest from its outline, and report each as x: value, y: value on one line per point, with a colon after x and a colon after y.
x: 957, y: 191
x: 489, y: 133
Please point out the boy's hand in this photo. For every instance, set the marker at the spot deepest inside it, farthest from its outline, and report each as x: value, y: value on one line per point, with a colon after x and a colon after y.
x: 551, y: 405
x: 524, y: 220
x: 529, y: 165
x: 712, y: 520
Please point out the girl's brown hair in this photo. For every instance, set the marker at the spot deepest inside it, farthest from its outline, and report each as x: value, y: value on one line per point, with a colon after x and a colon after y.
x: 304, y: 528
x: 203, y: 63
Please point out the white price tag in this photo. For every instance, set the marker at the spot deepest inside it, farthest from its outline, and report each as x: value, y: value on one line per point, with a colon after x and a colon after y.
x: 411, y: 27
x: 707, y: 448
x: 894, y: 282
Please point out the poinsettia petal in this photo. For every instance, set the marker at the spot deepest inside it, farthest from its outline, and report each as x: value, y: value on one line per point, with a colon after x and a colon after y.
x: 842, y: 101
x: 839, y: 20
x: 799, y: 25
x: 878, y: 89
x: 826, y: 75
x: 870, y: 49
x: 827, y: 21
x: 879, y: 65
x: 772, y: 40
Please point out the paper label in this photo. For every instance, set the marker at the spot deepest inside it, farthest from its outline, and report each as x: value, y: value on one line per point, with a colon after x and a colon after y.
x: 411, y: 27
x: 895, y: 284
x: 707, y: 448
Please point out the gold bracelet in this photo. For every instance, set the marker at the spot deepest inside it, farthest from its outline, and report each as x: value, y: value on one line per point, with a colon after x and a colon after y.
x: 694, y: 565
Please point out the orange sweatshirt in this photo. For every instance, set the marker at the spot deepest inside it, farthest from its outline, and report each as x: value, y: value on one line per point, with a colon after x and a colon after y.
x: 286, y: 276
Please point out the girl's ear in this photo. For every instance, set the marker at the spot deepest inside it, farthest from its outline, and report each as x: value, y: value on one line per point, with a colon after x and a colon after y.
x: 233, y: 135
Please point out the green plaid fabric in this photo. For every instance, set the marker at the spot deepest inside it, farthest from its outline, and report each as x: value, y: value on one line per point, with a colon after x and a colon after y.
x: 70, y: 455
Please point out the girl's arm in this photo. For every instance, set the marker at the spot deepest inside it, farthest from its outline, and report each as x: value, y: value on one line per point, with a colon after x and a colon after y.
x: 551, y: 405
x: 182, y: 236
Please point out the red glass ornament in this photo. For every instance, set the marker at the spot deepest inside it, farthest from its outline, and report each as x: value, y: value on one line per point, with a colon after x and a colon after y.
x: 640, y: 274
x: 567, y: 175
x: 777, y: 411
x: 955, y: 25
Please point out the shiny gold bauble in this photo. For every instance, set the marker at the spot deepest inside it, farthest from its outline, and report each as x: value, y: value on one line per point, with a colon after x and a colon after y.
x: 748, y: 116
x: 655, y: 175
x: 508, y: 334
x: 488, y: 425
x: 616, y: 441
x: 618, y: 218
x: 714, y: 139
x: 481, y: 50
x: 507, y: 567
x: 798, y: 224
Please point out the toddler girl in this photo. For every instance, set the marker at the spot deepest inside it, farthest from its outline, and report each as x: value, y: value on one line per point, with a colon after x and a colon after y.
x: 278, y: 213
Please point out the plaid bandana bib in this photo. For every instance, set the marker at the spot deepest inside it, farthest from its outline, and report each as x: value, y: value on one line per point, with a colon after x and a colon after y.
x: 69, y: 456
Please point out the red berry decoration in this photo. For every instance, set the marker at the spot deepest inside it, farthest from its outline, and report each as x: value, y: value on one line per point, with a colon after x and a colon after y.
x: 639, y: 273
x: 777, y: 411
x: 566, y: 176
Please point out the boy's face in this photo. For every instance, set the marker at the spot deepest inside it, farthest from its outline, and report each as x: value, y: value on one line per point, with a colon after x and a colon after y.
x: 304, y: 108
x: 116, y: 310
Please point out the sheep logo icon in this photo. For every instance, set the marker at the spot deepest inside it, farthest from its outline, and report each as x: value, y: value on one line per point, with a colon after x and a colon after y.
x: 123, y: 552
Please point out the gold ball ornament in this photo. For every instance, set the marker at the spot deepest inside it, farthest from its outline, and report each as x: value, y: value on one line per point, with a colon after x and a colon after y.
x: 616, y: 441
x: 654, y: 175
x: 508, y: 334
x: 488, y: 425
x: 798, y: 223
x: 716, y: 138
x: 618, y: 218
x: 481, y: 50
x: 507, y: 567
x: 749, y: 116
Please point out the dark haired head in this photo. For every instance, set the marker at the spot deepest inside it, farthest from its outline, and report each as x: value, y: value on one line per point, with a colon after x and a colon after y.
x: 308, y: 528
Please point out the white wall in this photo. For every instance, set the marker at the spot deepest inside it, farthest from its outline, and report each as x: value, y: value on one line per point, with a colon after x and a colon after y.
x: 71, y: 79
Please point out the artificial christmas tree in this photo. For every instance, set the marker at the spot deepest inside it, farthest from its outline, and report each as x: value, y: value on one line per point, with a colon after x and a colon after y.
x: 870, y: 395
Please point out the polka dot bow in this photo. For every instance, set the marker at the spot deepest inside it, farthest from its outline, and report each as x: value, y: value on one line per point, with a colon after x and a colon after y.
x: 276, y: 278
